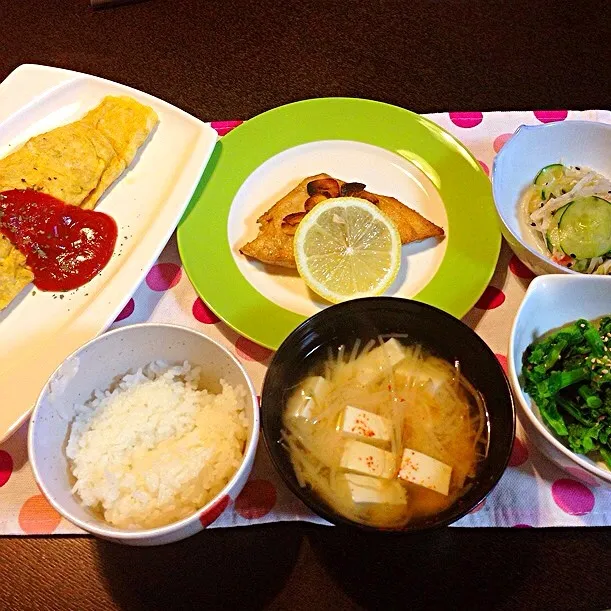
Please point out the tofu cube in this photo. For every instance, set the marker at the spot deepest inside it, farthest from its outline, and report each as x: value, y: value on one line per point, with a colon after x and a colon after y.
x: 302, y: 403
x: 408, y: 375
x: 423, y: 470
x: 367, y: 459
x: 365, y: 490
x: 366, y: 426
x: 372, y: 365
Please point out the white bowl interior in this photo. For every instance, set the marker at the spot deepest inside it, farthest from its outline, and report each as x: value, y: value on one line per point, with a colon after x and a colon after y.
x: 577, y: 143
x: 551, y: 302
x: 95, y: 365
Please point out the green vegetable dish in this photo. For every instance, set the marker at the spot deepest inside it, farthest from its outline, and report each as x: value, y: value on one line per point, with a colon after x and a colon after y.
x: 567, y: 374
x: 568, y: 209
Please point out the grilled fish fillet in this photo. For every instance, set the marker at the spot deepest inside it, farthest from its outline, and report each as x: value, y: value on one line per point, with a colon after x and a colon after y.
x: 275, y: 247
x: 75, y: 163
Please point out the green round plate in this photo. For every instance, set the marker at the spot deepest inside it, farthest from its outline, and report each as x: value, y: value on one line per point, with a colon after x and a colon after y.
x: 473, y: 240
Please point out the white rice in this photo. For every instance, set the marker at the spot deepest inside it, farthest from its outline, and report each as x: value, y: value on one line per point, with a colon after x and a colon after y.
x: 153, y: 449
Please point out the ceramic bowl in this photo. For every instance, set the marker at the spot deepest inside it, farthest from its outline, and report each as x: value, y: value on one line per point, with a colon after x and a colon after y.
x: 95, y: 365
x: 551, y: 302
x: 577, y: 143
x: 367, y: 318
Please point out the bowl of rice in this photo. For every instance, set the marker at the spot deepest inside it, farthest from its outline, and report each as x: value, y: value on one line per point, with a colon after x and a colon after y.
x: 145, y: 435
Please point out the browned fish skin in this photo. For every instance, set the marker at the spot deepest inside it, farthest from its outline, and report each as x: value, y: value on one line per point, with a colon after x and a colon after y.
x: 370, y: 197
x: 274, y: 246
x: 290, y: 222
x: 313, y: 200
x: 323, y: 186
x: 352, y: 189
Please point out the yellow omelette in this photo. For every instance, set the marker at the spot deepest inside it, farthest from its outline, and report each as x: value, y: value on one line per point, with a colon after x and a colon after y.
x: 75, y: 163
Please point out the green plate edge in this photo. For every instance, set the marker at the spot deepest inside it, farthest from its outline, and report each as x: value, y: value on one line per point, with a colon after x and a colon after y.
x: 474, y: 238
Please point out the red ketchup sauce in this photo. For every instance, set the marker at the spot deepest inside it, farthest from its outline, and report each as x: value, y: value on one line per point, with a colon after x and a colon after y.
x: 64, y: 246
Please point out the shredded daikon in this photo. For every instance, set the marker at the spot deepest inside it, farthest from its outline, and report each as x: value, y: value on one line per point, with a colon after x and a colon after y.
x: 541, y: 202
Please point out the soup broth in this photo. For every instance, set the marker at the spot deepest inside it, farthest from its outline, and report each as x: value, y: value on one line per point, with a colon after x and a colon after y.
x: 386, y: 433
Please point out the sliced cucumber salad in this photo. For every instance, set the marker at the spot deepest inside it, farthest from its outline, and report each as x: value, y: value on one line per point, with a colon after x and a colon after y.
x: 552, y: 236
x: 584, y: 229
x: 569, y: 208
x: 550, y: 179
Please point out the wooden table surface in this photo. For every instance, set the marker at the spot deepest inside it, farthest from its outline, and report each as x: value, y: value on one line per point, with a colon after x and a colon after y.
x: 232, y: 60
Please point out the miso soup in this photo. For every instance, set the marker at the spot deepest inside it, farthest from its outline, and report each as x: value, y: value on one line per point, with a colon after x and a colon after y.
x: 386, y: 433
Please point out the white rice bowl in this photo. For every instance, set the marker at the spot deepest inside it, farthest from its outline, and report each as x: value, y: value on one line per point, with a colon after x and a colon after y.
x: 154, y: 447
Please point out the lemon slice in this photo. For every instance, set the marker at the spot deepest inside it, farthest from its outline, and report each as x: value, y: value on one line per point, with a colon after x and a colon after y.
x: 346, y: 248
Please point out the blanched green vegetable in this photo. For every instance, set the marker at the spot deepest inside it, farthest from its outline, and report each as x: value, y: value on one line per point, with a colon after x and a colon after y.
x: 568, y: 376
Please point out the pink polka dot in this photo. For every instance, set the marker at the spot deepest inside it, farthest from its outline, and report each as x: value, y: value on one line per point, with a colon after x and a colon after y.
x: 6, y: 467
x: 466, y: 119
x: 256, y: 499
x: 484, y: 167
x: 250, y: 351
x: 224, y: 127
x: 37, y: 517
x: 572, y: 497
x: 522, y: 526
x: 519, y: 453
x: 502, y: 359
x: 163, y: 276
x: 490, y: 299
x: 127, y: 311
x: 203, y: 313
x: 549, y: 116
x: 519, y: 269
x: 212, y: 514
x: 499, y: 141
x: 583, y: 476
x: 479, y: 506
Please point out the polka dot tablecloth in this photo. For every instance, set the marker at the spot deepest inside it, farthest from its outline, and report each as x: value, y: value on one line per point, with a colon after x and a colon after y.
x: 532, y: 492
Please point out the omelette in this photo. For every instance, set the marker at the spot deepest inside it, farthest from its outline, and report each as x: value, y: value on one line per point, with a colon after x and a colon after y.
x: 274, y: 242
x: 74, y: 163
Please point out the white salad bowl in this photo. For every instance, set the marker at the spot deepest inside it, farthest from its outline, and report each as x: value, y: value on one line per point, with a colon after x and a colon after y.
x: 550, y: 303
x: 531, y: 148
x: 96, y: 365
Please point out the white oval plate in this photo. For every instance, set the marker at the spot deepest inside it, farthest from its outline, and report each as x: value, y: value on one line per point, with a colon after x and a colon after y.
x: 38, y: 330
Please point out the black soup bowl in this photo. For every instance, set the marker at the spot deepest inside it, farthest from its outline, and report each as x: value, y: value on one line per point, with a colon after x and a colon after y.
x: 366, y: 319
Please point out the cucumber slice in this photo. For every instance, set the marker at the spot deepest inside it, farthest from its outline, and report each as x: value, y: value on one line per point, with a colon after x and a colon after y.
x: 584, y: 229
x: 548, y: 179
x: 549, y: 173
x: 552, y: 237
